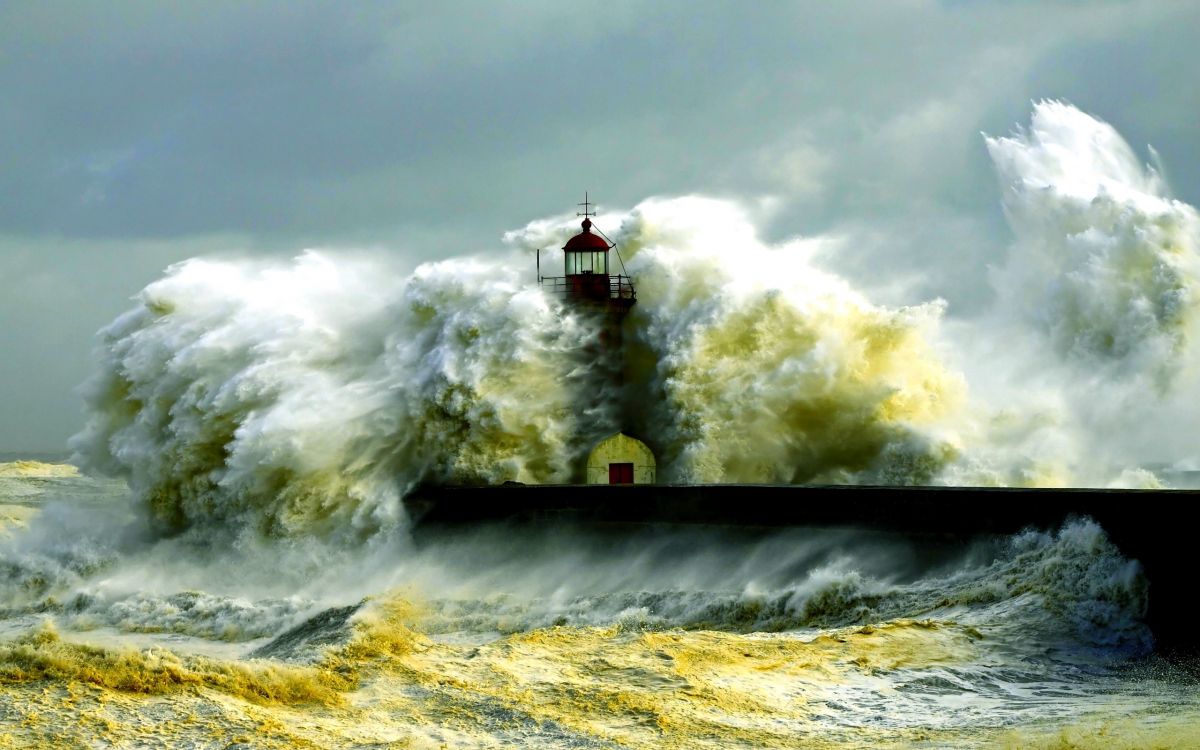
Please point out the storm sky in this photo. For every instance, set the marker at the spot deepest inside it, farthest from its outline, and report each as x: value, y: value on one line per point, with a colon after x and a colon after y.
x: 137, y: 134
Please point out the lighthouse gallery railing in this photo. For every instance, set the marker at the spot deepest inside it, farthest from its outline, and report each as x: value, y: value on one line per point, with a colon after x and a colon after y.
x: 619, y: 287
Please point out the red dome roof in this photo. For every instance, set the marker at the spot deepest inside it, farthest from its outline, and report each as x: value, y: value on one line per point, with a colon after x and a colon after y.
x: 585, y: 241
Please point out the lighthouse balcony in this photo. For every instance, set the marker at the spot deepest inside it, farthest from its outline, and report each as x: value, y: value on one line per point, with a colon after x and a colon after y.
x: 598, y: 287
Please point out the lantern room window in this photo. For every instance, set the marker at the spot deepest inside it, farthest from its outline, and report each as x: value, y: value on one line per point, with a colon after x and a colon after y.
x: 586, y: 262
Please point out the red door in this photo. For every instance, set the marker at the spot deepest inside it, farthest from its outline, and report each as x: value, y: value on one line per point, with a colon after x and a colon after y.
x: 620, y: 473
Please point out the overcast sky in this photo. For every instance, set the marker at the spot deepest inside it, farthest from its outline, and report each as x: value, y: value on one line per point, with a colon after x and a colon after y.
x: 136, y: 134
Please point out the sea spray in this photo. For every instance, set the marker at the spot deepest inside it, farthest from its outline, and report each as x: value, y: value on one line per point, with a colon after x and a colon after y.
x: 1105, y: 262
x: 768, y: 369
x: 1085, y: 368
x: 307, y: 397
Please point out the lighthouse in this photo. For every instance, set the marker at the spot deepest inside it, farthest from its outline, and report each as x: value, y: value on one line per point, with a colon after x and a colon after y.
x: 591, y: 285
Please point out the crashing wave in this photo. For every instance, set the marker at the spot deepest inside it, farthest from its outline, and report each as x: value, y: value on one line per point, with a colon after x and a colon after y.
x: 306, y: 398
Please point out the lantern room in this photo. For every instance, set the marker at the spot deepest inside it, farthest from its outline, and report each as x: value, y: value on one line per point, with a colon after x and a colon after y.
x: 586, y: 253
x: 585, y: 259
x: 588, y: 276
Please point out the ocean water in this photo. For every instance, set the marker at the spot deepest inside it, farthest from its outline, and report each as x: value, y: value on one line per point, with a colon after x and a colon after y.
x: 502, y: 636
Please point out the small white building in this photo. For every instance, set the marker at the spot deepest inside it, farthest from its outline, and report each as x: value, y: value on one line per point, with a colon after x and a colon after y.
x: 620, y: 459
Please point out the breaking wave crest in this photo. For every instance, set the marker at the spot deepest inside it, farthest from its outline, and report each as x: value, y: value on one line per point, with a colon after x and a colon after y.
x: 1072, y: 583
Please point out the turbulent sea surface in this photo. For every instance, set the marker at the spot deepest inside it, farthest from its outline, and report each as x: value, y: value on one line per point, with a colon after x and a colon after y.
x: 567, y: 637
